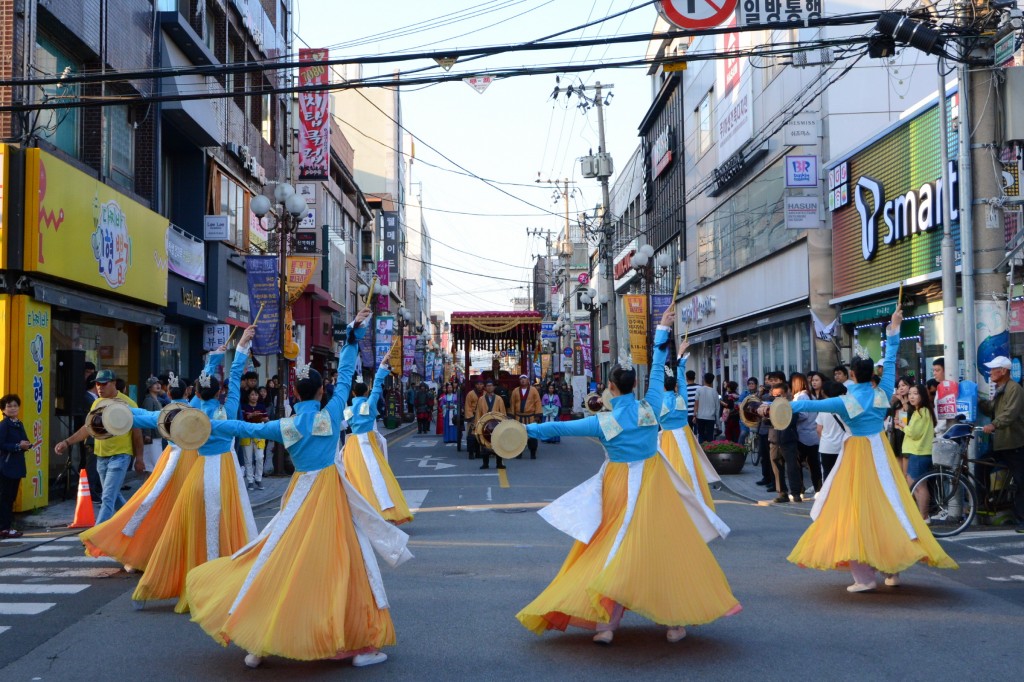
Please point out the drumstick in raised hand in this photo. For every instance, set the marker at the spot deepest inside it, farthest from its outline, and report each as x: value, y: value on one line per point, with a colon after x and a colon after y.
x: 369, y: 295
x: 252, y: 324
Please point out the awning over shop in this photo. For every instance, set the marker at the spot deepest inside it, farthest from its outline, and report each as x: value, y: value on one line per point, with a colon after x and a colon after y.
x: 194, y: 117
x: 87, y: 303
x: 865, y: 313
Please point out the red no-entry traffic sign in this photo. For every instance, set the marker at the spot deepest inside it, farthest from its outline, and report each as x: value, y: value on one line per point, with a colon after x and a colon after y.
x: 694, y: 14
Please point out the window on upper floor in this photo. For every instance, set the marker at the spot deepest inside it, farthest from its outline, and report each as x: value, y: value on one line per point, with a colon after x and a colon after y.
x: 232, y: 200
x: 119, y: 147
x: 705, y: 130
x: 59, y: 127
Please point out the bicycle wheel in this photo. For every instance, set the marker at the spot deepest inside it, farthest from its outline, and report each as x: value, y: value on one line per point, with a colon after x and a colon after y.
x: 752, y: 450
x: 952, y: 502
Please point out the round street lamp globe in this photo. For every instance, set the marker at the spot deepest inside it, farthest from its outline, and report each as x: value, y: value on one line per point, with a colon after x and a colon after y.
x: 260, y: 205
x: 640, y: 259
x: 282, y: 191
x: 385, y: 290
x: 363, y: 289
x: 295, y: 205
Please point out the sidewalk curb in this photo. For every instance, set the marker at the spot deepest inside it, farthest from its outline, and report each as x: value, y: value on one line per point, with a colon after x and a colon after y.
x: 276, y: 501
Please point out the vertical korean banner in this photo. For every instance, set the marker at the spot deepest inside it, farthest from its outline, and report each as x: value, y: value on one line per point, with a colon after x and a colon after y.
x: 314, y: 117
x: 583, y: 334
x: 659, y: 304
x: 384, y: 275
x: 31, y: 327
x: 300, y: 271
x: 408, y: 355
x: 389, y: 240
x: 262, y: 278
x: 635, y: 306
x: 385, y: 332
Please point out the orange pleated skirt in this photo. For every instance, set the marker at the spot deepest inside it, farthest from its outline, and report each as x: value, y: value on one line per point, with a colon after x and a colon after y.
x: 663, y: 569
x: 108, y: 538
x: 182, y: 545
x: 310, y: 600
x: 857, y: 521
x: 670, y: 447
x: 359, y: 476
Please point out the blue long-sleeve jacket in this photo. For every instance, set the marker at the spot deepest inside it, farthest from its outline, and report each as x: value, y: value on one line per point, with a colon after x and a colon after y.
x: 677, y: 415
x: 219, y: 428
x: 863, y: 409
x: 219, y: 443
x: 635, y: 442
x: 315, y: 450
x: 364, y: 423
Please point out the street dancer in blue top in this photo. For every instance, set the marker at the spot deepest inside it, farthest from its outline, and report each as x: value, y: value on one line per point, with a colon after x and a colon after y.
x: 365, y: 453
x: 864, y: 518
x: 212, y: 516
x: 309, y: 586
x: 635, y: 496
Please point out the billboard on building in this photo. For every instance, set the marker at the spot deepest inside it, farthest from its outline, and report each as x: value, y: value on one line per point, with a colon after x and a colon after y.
x: 889, y: 228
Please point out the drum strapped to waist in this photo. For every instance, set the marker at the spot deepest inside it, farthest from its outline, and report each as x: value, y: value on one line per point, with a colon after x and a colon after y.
x: 506, y: 437
x: 780, y: 412
x: 109, y: 418
x: 185, y: 426
x: 595, y: 403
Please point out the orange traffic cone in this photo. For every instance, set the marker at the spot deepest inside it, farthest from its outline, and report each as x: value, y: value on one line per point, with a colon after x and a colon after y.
x: 84, y: 516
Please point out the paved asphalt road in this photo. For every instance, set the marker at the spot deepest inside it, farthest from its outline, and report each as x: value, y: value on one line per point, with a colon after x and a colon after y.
x: 482, y: 553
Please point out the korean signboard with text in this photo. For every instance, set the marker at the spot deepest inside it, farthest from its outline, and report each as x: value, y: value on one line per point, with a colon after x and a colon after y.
x: 314, y: 117
x: 734, y: 111
x: 390, y: 238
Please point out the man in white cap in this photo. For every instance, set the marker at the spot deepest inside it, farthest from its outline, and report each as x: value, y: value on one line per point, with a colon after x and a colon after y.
x: 1006, y: 408
x: 527, y: 409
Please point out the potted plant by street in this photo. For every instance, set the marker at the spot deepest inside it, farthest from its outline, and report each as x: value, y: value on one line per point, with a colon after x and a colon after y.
x: 726, y: 456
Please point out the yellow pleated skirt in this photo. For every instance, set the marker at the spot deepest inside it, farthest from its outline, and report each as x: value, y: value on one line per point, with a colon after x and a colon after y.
x: 663, y: 570
x: 108, y: 538
x: 311, y: 599
x: 359, y: 476
x: 672, y: 453
x: 182, y: 545
x: 857, y: 522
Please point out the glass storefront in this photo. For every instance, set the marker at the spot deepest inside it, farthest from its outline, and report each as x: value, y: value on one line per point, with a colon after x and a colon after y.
x: 108, y: 343
x: 785, y: 347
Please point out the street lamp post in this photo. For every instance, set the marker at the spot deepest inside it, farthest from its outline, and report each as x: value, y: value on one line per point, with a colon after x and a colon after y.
x: 285, y: 223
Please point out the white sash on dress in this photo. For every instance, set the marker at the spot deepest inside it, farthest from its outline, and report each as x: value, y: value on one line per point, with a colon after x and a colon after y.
x: 380, y: 486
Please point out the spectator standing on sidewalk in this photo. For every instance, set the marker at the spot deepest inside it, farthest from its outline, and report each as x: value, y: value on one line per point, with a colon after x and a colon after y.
x: 1006, y: 409
x: 13, y: 445
x: 113, y: 455
x: 706, y: 408
x: 151, y: 445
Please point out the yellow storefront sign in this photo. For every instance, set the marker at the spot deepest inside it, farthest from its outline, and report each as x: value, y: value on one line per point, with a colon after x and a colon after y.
x: 79, y: 229
x: 636, y: 322
x: 25, y: 370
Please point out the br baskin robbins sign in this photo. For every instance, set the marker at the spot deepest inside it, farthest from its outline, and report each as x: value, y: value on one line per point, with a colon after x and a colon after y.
x: 885, y: 201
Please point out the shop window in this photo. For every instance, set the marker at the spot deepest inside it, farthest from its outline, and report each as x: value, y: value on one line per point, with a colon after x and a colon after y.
x: 793, y: 361
x: 804, y: 337
x: 779, y: 351
x: 119, y: 148
x: 59, y: 127
x: 232, y: 200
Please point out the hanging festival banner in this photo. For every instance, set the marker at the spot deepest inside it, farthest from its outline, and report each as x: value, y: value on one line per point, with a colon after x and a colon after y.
x: 635, y: 306
x: 261, y: 275
x: 300, y: 272
x: 408, y: 355
x: 385, y: 330
x: 583, y: 334
x: 314, y: 117
x: 384, y: 277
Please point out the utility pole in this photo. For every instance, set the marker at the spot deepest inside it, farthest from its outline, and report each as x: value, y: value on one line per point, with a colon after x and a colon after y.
x: 600, y: 166
x: 546, y: 234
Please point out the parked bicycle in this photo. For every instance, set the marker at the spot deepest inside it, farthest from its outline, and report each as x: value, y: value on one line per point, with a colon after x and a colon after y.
x: 956, y: 497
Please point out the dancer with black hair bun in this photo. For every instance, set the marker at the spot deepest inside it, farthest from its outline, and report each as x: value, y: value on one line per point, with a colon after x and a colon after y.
x: 309, y: 586
x: 864, y: 518
x: 365, y: 453
x: 635, y: 498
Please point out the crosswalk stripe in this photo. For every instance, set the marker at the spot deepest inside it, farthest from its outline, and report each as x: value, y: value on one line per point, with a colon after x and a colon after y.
x: 24, y: 608
x: 1015, y: 559
x: 22, y: 588
x: 4, y: 628
x: 59, y: 559
x: 57, y: 572
x: 415, y: 498
x: 51, y: 548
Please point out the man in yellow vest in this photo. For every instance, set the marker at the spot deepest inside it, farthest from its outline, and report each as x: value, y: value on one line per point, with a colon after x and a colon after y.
x: 113, y: 455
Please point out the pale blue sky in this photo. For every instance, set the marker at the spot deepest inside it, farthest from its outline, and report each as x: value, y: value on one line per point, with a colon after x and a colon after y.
x: 510, y: 133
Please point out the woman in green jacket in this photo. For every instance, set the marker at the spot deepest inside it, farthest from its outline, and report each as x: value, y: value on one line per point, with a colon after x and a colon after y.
x: 917, y: 442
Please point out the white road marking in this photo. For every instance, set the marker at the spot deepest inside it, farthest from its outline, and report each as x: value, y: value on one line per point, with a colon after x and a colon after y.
x: 4, y: 628
x: 444, y: 475
x: 415, y: 498
x: 51, y: 548
x: 1015, y: 559
x: 418, y: 444
x: 59, y: 559
x: 24, y: 608
x: 978, y: 534
x: 489, y: 494
x: 1009, y: 579
x: 58, y: 572
x: 22, y: 588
